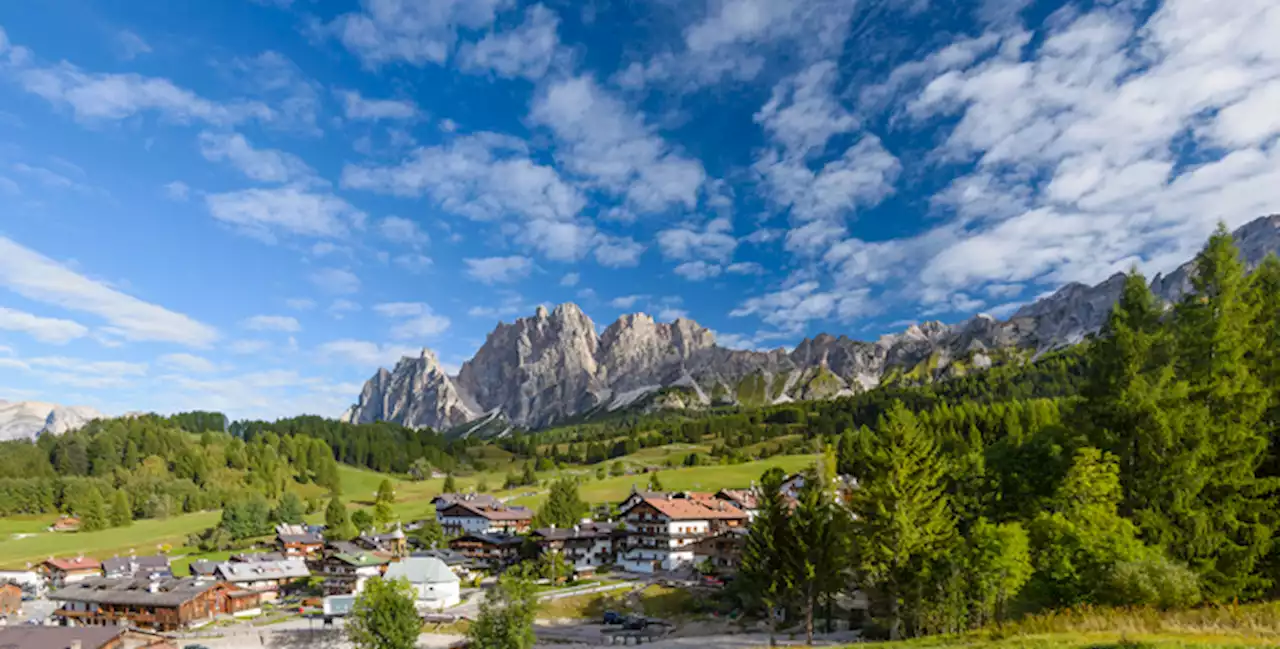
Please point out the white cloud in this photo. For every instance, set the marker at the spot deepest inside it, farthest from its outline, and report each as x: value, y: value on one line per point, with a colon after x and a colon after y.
x: 736, y: 38
x: 495, y: 270
x: 55, y: 331
x: 526, y: 51
x: 340, y: 307
x: 512, y: 304
x: 745, y: 268
x: 804, y: 114
x: 364, y: 353
x: 793, y: 307
x: 82, y: 373
x: 177, y: 191
x: 668, y: 314
x: 390, y: 31
x: 357, y: 107
x: 295, y: 98
x: 714, y: 241
x: 697, y: 271
x: 263, y: 165
x: 335, y: 280
x: 187, y: 363
x: 611, y: 146
x: 626, y: 301
x: 263, y: 213
x: 300, y: 303
x: 272, y: 323
x: 131, y: 45
x: 324, y: 248
x: 570, y: 279
x: 247, y: 347
x: 96, y: 97
x: 41, y: 279
x: 412, y: 262
x: 618, y: 252
x: 402, y: 230
x: 400, y: 309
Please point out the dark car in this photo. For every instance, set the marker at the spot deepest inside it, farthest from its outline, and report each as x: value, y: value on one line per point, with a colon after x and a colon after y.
x: 635, y: 623
x: 614, y: 617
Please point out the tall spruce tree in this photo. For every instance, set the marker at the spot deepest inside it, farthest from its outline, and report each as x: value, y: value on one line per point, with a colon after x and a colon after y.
x: 1227, y: 528
x: 762, y: 578
x: 901, y: 514
x: 818, y: 552
x: 1264, y: 298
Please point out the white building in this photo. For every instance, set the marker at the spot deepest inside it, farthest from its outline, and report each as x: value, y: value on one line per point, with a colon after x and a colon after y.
x: 587, y: 546
x: 661, y: 531
x: 435, y: 585
x: 482, y: 517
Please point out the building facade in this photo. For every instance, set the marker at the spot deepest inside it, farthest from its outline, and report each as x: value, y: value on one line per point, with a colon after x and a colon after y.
x: 160, y: 604
x: 58, y: 573
x: 435, y: 586
x: 588, y: 546
x: 468, y: 517
x: 268, y: 578
x: 662, y: 531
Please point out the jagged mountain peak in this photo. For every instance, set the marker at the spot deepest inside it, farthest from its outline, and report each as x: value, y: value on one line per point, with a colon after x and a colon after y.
x: 554, y: 365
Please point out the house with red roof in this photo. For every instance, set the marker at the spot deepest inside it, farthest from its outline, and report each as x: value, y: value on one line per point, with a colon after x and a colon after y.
x: 663, y: 530
x: 58, y: 573
x: 482, y: 517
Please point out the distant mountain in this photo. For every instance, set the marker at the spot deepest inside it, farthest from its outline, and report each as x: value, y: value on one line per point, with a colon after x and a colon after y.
x: 553, y: 366
x: 29, y: 419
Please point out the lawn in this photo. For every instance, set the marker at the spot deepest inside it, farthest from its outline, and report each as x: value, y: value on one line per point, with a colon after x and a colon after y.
x: 143, y: 536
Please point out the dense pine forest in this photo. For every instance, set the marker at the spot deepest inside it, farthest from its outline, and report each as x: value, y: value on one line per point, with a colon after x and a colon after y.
x: 1151, y: 481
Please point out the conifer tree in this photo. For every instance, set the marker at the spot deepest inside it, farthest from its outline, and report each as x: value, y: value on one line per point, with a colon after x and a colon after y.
x: 901, y: 513
x: 564, y: 507
x: 337, y: 524
x: 818, y: 553
x: 1227, y: 528
x: 93, y: 514
x: 121, y: 510
x: 762, y: 574
x: 386, y: 493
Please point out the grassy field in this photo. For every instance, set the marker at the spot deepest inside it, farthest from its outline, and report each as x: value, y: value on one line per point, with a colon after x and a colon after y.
x: 25, y: 539
x: 142, y: 536
x: 1220, y: 627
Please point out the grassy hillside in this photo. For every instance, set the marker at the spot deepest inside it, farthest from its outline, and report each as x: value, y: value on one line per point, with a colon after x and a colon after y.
x: 143, y: 536
x: 1220, y: 627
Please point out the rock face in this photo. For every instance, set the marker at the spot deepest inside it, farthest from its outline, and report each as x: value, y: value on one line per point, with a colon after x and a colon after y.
x: 553, y: 366
x: 30, y: 419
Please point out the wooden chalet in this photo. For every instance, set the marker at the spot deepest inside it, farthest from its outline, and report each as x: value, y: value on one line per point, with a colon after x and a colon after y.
x: 492, y: 551
x: 160, y: 604
x: 61, y: 572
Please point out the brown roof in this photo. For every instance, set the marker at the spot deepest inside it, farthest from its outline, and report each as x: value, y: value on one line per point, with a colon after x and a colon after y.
x: 499, y: 513
x: 78, y: 563
x: 745, y: 498
x: 26, y: 636
x: 687, y: 510
x: 169, y: 593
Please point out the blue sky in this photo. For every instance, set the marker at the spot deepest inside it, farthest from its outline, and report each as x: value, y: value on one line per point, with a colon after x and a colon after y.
x: 250, y: 205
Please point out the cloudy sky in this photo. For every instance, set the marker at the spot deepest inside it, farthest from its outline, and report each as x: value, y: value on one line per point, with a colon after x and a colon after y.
x: 250, y: 205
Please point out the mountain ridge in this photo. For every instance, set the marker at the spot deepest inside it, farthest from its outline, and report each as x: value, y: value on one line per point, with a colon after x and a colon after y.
x: 30, y: 419
x: 552, y: 366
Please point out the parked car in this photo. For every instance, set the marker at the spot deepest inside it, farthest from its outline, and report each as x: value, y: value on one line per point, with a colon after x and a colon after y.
x: 614, y: 617
x: 635, y: 623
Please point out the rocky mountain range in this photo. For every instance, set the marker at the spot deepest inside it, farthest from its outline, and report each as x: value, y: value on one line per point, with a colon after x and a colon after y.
x: 552, y: 366
x: 29, y: 419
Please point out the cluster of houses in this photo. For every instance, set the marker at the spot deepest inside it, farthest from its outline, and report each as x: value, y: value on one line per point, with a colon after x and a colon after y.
x: 653, y: 532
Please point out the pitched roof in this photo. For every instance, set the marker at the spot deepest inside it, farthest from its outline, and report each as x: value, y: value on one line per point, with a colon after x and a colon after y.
x: 499, y: 513
x: 449, y: 557
x: 745, y: 498
x: 583, y: 531
x: 361, y: 559
x: 127, y: 590
x: 258, y: 570
x: 77, y: 563
x: 422, y: 570
x: 305, y: 538
x: 687, y: 510
x: 26, y: 636
x: 203, y: 567
x: 493, y: 539
x: 136, y: 564
x: 444, y: 500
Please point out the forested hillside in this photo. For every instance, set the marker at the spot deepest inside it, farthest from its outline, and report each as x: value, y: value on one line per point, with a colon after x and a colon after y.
x: 1155, y: 485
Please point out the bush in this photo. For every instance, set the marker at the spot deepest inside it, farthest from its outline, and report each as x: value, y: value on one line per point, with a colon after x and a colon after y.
x: 1152, y: 581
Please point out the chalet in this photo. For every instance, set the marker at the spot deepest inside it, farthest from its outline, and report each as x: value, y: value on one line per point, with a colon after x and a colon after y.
x: 65, y: 524
x: 475, y: 517
x: 662, y: 531
x: 56, y: 637
x: 434, y: 585
x: 491, y: 551
x: 61, y: 572
x: 744, y: 499
x: 203, y: 568
x: 587, y: 546
x: 394, y: 543
x: 299, y: 541
x: 723, y: 551
x: 346, y: 573
x: 161, y: 604
x: 637, y: 496
x: 267, y: 578
x: 137, y: 566
x: 10, y: 599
